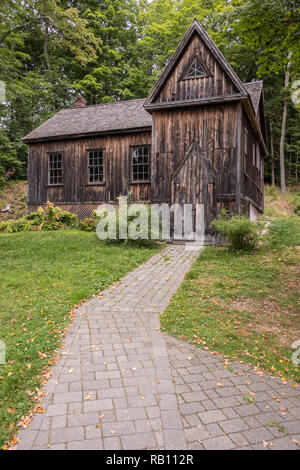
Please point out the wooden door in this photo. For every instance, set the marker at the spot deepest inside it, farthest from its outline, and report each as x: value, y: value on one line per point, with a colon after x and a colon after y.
x: 194, y: 182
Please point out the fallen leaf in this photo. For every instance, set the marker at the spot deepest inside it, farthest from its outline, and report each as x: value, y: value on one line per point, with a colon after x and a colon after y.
x: 276, y: 398
x: 89, y: 396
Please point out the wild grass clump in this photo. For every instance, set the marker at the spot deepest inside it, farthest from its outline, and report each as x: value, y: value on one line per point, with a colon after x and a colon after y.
x: 241, y: 233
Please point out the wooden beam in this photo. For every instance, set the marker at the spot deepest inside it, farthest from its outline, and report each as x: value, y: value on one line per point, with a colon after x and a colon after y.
x: 199, y: 102
x: 248, y: 199
x: 88, y: 134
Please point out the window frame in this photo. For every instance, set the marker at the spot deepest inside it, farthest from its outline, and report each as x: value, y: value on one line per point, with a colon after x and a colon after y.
x: 245, y: 149
x: 95, y: 183
x: 258, y: 157
x: 253, y: 154
x: 139, y: 181
x: 246, y: 140
x: 50, y: 154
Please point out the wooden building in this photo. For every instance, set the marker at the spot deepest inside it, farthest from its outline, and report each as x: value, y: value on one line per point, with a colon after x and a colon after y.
x: 199, y: 137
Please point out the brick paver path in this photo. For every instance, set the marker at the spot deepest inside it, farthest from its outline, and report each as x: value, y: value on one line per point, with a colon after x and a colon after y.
x: 121, y: 384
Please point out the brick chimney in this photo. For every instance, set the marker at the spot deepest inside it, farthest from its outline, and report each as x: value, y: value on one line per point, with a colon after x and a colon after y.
x: 79, y: 102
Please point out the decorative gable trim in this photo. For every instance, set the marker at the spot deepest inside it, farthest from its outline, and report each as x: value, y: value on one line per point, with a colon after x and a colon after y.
x: 196, y: 68
x: 195, y: 28
x: 195, y: 149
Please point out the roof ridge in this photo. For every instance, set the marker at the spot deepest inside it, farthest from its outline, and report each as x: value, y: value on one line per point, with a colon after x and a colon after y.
x: 101, y: 104
x: 254, y: 81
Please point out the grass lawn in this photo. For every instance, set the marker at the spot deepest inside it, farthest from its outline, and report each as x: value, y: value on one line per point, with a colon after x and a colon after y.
x: 43, y: 275
x: 244, y: 305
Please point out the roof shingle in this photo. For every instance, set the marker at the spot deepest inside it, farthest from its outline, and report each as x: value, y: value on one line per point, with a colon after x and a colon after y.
x: 254, y: 89
x: 102, y: 118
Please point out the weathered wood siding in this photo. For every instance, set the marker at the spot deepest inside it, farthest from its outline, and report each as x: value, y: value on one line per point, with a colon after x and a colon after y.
x: 252, y: 179
x: 75, y: 187
x: 215, y: 129
x: 216, y: 84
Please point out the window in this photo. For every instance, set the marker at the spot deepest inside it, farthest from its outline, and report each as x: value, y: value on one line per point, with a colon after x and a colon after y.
x: 95, y: 166
x: 245, y: 149
x: 196, y: 69
x: 253, y: 154
x: 55, y: 168
x: 140, y: 163
x: 257, y: 156
x: 245, y: 141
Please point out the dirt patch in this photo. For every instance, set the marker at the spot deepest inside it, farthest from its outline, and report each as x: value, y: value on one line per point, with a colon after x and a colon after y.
x: 14, y: 195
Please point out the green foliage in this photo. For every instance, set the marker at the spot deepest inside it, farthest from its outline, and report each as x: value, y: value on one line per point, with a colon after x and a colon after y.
x: 241, y: 233
x: 122, y: 223
x: 283, y: 231
x: 88, y: 224
x: 279, y: 426
x: 109, y: 50
x: 52, y: 218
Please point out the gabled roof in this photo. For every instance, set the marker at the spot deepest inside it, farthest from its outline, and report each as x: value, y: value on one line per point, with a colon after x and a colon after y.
x: 88, y: 120
x: 196, y: 28
x: 254, y: 89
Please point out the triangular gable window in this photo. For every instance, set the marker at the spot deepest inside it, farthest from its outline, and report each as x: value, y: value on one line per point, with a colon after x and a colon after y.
x: 195, y: 69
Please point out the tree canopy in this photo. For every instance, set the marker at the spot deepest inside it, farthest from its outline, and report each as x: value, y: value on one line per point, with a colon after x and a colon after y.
x: 107, y: 50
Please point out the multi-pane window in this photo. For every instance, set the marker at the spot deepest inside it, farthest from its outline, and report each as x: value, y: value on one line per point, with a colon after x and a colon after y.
x: 257, y: 157
x: 140, y: 163
x: 95, y: 166
x: 55, y: 168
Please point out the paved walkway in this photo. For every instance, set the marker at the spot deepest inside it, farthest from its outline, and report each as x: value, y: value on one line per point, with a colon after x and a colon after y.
x: 121, y: 384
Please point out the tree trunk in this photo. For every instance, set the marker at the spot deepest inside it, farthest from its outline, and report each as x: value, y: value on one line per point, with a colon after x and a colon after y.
x: 272, y: 154
x: 46, y: 45
x: 283, y: 127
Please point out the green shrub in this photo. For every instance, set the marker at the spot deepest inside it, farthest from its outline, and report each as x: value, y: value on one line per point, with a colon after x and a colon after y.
x: 88, y: 224
x: 241, y: 233
x: 13, y: 226
x: 52, y: 218
x: 122, y: 223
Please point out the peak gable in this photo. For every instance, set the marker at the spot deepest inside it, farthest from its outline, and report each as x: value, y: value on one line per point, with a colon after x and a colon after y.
x: 196, y: 71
